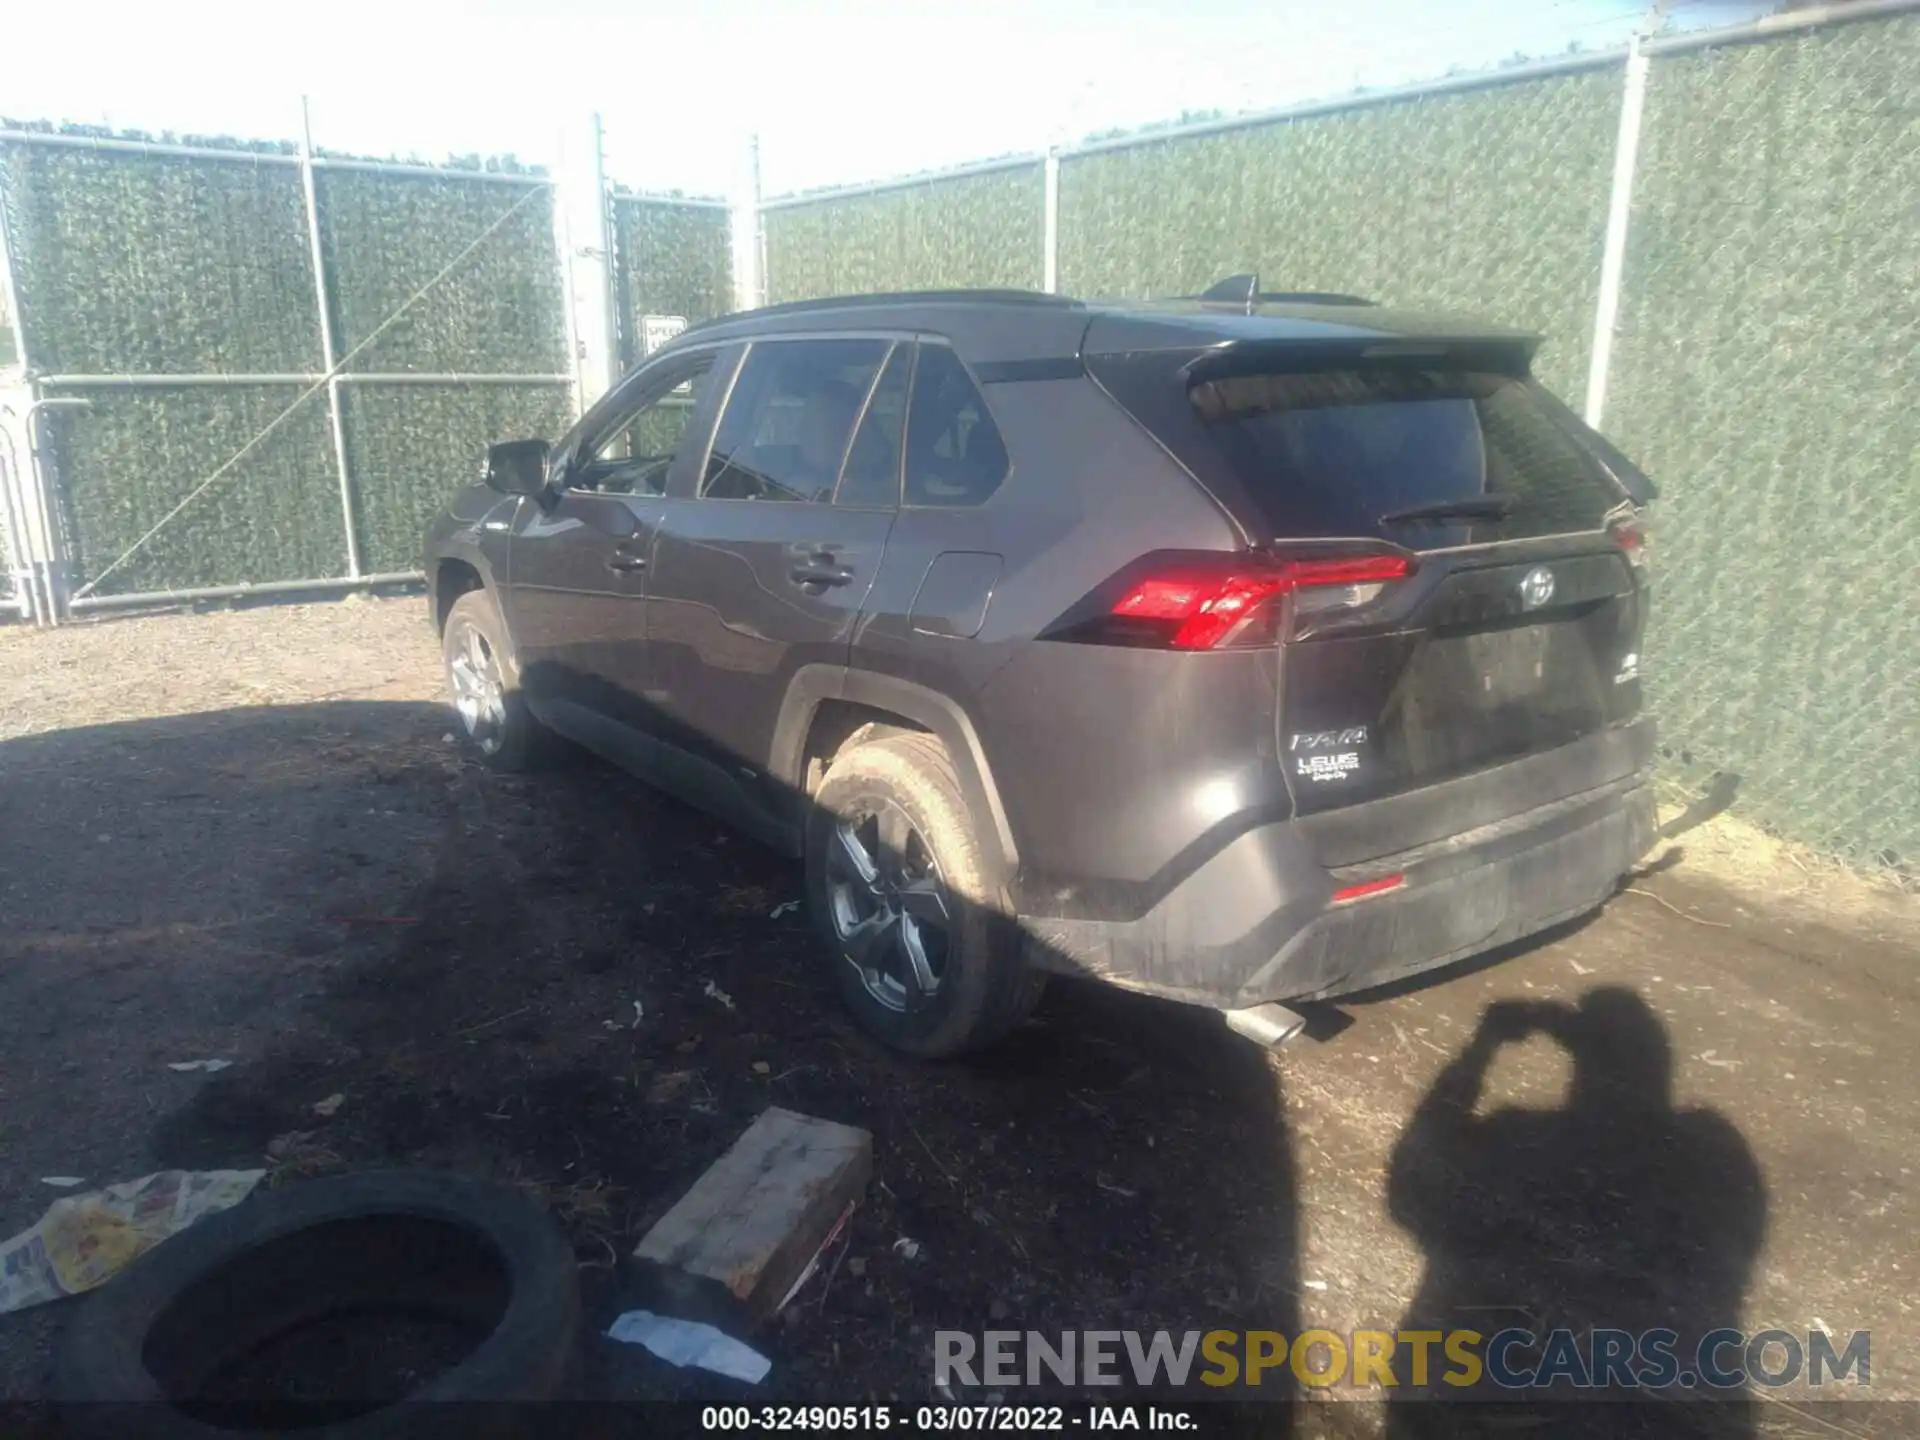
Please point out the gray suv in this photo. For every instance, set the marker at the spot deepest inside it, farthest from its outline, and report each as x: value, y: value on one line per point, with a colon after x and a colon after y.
x: 1239, y: 650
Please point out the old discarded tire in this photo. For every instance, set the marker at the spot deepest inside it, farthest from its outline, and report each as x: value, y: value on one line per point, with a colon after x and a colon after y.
x: 925, y: 956
x: 358, y: 1307
x: 484, y: 682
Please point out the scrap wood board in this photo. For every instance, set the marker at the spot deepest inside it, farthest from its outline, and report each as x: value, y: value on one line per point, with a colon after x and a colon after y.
x: 760, y: 1214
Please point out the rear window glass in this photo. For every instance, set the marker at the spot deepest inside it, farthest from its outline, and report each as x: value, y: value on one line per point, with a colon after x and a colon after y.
x: 1373, y: 451
x: 955, y: 455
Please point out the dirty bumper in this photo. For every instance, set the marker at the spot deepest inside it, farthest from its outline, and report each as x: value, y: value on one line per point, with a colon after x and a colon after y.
x: 1260, y: 920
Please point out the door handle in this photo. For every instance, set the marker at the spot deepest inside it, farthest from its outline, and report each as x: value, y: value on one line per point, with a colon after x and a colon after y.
x: 820, y: 571
x: 625, y: 564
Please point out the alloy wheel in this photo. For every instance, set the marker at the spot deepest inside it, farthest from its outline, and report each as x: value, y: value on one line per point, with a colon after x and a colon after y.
x: 889, y: 905
x: 479, y: 694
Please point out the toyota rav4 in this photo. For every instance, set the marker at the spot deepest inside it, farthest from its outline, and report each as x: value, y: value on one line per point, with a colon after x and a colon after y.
x: 1239, y: 650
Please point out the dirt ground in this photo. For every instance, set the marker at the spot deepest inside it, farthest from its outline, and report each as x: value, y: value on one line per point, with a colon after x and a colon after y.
x: 248, y: 835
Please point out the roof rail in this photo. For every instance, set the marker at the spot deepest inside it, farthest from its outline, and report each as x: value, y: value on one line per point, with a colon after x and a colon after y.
x: 1245, y: 290
x: 1037, y: 298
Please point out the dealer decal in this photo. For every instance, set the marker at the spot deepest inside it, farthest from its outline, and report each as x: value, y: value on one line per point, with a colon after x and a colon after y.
x: 1320, y: 755
x: 1327, y: 767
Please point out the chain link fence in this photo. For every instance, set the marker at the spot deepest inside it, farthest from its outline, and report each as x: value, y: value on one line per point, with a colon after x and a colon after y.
x: 255, y: 369
x: 980, y: 230
x: 1491, y: 201
x: 1765, y: 371
x: 673, y: 258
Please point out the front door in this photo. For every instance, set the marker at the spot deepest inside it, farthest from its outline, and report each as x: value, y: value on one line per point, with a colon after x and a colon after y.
x: 578, y: 564
x: 762, y: 567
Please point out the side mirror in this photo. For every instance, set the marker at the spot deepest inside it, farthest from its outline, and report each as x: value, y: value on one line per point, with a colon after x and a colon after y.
x: 519, y: 467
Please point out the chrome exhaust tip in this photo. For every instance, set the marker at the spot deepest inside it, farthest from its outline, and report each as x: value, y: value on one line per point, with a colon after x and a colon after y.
x: 1267, y: 1025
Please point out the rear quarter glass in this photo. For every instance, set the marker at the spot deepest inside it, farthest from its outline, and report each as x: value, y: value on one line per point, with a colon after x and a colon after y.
x: 1303, y: 453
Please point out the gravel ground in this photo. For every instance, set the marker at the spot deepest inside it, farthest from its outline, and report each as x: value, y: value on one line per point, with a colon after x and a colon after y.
x: 245, y: 835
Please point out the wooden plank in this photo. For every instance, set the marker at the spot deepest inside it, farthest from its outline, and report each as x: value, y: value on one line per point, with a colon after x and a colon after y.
x: 763, y: 1209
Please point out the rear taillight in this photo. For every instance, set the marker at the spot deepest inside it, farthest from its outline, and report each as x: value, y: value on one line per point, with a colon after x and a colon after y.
x: 1198, y: 614
x: 1205, y: 607
x: 1631, y: 537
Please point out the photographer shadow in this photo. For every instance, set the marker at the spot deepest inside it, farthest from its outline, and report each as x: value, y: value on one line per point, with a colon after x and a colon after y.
x: 1615, y: 1211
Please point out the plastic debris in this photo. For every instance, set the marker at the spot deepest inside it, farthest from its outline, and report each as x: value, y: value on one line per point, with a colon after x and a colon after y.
x: 212, y: 1067
x: 63, y: 1182
x: 639, y: 1014
x: 761, y: 1067
x: 84, y: 1240
x: 330, y: 1106
x: 714, y: 992
x: 785, y: 907
x: 907, y: 1249
x: 687, y: 1342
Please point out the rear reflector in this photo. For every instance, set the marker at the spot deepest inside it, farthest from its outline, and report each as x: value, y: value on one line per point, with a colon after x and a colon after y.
x: 1209, y: 611
x: 1632, y: 540
x: 1368, y: 887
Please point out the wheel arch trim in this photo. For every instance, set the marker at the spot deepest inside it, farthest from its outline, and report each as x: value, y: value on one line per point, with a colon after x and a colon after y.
x: 939, y: 714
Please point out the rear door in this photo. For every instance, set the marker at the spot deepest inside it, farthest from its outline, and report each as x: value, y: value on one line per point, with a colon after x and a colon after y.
x: 762, y: 562
x: 1517, y: 630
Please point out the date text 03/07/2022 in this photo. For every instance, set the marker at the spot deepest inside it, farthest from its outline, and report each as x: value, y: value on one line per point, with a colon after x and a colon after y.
x: 925, y: 1419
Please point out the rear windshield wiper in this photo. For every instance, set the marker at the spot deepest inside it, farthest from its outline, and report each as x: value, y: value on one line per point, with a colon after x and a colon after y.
x: 1489, y: 507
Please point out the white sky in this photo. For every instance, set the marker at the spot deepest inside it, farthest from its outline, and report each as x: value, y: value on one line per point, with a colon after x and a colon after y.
x: 839, y: 90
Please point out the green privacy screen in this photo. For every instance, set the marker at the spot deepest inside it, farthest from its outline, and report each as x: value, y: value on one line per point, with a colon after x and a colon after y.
x: 411, y: 446
x: 973, y: 230
x: 497, y: 312
x: 147, y: 264
x: 670, y: 259
x: 153, y: 264
x: 386, y: 235
x: 1490, y: 201
x: 128, y: 459
x: 1766, y: 374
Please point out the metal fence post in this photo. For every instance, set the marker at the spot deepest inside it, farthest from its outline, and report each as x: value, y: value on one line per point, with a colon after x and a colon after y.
x: 761, y: 290
x: 1613, y: 255
x: 744, y: 232
x: 582, y: 194
x: 15, y: 488
x: 328, y: 355
x: 41, y: 558
x: 46, y: 549
x: 1050, y: 223
x: 17, y: 480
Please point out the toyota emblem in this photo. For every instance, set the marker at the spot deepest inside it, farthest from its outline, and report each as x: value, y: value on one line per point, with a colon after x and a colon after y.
x: 1536, y: 587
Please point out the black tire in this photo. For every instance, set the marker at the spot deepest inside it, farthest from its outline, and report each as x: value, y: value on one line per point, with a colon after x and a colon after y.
x: 985, y: 988
x: 227, y: 1285
x: 513, y: 740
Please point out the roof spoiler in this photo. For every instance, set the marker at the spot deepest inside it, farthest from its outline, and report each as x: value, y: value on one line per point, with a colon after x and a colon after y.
x: 1244, y: 291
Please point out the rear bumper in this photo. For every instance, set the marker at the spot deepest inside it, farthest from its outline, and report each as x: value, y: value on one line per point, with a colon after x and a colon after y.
x: 1257, y: 921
